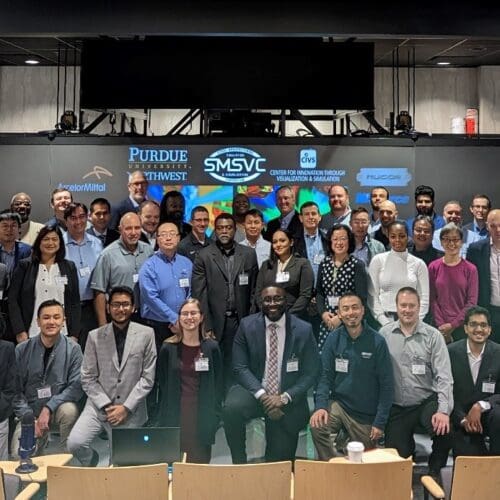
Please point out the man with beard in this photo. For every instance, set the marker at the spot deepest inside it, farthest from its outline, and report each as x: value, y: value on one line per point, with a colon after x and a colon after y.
x: 241, y: 205
x: 172, y: 208
x: 100, y: 218
x: 340, y: 212
x: 377, y: 195
x: 424, y: 204
x: 224, y: 278
x: 21, y: 204
x: 275, y: 362
x: 388, y: 214
x: 137, y: 188
x: 421, y: 245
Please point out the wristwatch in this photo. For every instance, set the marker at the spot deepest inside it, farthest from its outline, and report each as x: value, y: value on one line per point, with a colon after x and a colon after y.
x: 285, y: 399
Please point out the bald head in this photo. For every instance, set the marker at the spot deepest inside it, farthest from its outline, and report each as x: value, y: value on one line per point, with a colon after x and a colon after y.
x: 387, y: 212
x: 130, y: 230
x: 21, y: 204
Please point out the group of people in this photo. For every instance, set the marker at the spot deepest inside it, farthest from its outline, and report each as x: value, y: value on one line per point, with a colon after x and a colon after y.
x: 129, y: 315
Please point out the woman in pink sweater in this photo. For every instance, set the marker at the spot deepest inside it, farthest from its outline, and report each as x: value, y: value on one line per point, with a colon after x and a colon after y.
x: 453, y: 285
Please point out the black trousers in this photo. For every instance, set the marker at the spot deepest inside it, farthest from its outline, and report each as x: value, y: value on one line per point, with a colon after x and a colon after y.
x: 404, y: 420
x: 88, y: 321
x: 231, y: 324
x: 240, y: 407
x: 473, y: 444
x: 495, y: 323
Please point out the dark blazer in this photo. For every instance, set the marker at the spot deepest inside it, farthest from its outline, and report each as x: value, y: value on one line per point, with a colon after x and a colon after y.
x: 7, y: 378
x: 465, y: 392
x: 209, y: 284
x: 210, y: 391
x: 111, y: 235
x: 479, y: 254
x: 249, y: 358
x: 295, y: 227
x: 21, y: 251
x: 22, y: 296
x: 300, y: 244
x: 298, y: 288
x: 117, y: 211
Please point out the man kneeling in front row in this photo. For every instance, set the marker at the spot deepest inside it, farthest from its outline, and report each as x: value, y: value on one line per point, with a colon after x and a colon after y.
x: 275, y: 362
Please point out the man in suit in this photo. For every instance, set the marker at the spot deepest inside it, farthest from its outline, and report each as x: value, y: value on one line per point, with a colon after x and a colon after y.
x: 100, y: 218
x: 21, y: 204
x: 11, y: 250
x: 275, y: 363
x: 137, y: 188
x: 480, y: 254
x: 224, y: 277
x: 289, y: 218
x: 475, y: 364
x: 118, y: 372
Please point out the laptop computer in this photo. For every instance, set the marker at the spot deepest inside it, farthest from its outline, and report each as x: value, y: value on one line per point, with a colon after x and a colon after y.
x: 145, y: 445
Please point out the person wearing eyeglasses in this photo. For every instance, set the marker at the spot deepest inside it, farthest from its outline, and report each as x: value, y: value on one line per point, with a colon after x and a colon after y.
x: 21, y: 204
x: 197, y: 239
x: 475, y: 364
x: 137, y: 188
x: 190, y: 376
x: 454, y: 285
x: 83, y: 250
x: 118, y: 372
x: 339, y: 273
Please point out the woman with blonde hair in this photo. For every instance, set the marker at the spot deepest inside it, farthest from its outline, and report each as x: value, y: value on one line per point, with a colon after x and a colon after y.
x: 190, y: 374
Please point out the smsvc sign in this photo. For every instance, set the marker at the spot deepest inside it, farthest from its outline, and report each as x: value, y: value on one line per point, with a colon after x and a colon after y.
x: 235, y: 165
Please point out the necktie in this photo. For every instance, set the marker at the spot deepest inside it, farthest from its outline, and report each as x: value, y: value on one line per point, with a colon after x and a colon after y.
x: 102, y: 237
x: 272, y: 386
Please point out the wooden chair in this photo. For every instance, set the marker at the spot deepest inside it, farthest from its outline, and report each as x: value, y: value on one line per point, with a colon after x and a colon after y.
x: 471, y: 477
x: 271, y: 481
x: 10, y: 488
x: 367, y: 481
x: 148, y: 482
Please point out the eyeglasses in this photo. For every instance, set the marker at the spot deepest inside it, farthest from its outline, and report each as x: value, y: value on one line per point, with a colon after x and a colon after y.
x: 186, y: 314
x: 168, y: 234
x: 276, y: 299
x: 448, y: 241
x: 118, y: 305
x: 475, y: 324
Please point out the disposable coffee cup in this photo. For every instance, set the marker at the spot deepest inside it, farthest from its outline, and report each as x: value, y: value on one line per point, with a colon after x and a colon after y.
x: 355, y: 451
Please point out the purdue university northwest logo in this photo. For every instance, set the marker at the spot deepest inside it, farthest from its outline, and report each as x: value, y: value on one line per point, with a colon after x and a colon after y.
x: 98, y: 171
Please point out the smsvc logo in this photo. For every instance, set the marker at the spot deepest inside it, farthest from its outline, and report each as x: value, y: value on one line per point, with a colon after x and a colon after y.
x: 308, y: 158
x: 235, y: 165
x: 384, y: 177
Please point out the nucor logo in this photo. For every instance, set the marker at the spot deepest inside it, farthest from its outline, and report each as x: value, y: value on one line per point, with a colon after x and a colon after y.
x: 234, y: 165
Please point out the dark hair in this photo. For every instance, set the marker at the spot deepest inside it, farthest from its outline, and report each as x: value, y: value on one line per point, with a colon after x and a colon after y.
x: 477, y: 310
x: 8, y: 214
x: 60, y: 190
x: 380, y: 187
x: 424, y: 190
x: 224, y: 215
x: 121, y: 289
x: 48, y: 303
x: 397, y: 222
x: 198, y: 208
x: 145, y: 203
x: 407, y: 289
x: 423, y: 218
x: 100, y: 201
x: 359, y: 210
x: 272, y: 256
x: 476, y: 196
x: 72, y: 207
x: 163, y: 203
x: 254, y: 212
x: 308, y: 204
x: 37, y: 254
x: 203, y: 334
x: 351, y: 294
x: 345, y: 188
x: 350, y: 237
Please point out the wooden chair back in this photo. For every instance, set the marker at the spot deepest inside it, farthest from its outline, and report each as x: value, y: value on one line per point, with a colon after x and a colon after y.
x: 102, y: 483
x: 367, y: 481
x: 271, y: 481
x: 476, y: 477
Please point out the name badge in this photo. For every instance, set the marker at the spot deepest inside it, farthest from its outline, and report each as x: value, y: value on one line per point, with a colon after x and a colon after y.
x: 135, y: 277
x: 61, y: 280
x: 488, y: 387
x: 366, y: 355
x: 341, y: 365
x: 282, y: 277
x: 318, y: 259
x: 1, y: 294
x: 184, y: 282
x: 201, y: 364
x: 333, y: 301
x: 44, y: 392
x: 243, y: 279
x: 292, y: 365
x: 84, y: 271
x: 418, y: 369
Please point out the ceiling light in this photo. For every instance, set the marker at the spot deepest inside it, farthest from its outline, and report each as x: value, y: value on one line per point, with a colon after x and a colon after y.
x: 443, y: 63
x: 32, y: 61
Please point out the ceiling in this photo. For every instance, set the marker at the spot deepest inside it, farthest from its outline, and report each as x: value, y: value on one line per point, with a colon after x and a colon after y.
x: 458, y: 51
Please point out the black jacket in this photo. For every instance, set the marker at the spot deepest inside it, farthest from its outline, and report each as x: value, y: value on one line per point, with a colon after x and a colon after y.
x: 7, y: 378
x: 295, y: 227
